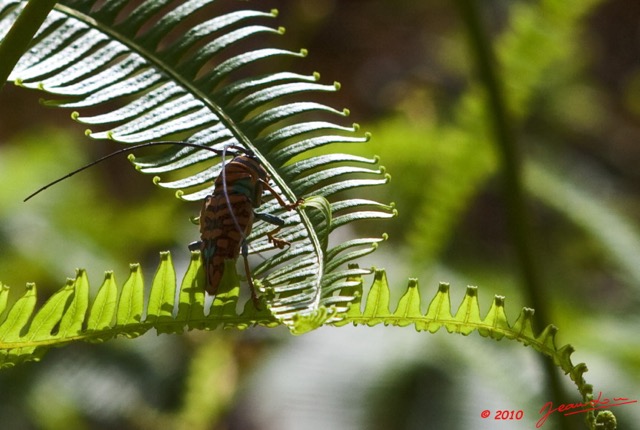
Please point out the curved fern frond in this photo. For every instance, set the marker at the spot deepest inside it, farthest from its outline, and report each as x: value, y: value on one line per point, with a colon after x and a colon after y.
x: 153, y: 80
x: 68, y: 316
x: 466, y: 320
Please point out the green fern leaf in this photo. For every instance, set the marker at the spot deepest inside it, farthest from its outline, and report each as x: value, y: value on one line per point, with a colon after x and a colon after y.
x: 161, y: 299
x: 497, y: 318
x: 19, y: 314
x: 48, y: 317
x: 377, y: 306
x: 90, y: 53
x: 66, y: 309
x: 226, y: 300
x: 467, y: 319
x: 468, y: 313
x: 74, y: 316
x: 408, y: 305
x: 439, y: 310
x: 12, y: 327
x: 191, y: 298
x: 131, y: 302
x: 103, y: 311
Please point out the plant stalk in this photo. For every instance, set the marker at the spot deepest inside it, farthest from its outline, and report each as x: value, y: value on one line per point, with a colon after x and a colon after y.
x: 17, y: 40
x: 518, y: 217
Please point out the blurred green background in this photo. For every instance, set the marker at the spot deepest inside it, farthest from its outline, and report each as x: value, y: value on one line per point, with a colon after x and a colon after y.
x: 571, y: 72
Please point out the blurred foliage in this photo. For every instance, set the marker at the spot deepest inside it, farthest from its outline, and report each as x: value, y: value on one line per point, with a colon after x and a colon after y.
x: 78, y: 221
x: 572, y: 72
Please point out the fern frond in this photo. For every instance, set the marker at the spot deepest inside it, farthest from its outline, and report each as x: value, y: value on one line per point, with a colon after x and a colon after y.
x: 191, y: 86
x: 466, y: 320
x: 27, y: 333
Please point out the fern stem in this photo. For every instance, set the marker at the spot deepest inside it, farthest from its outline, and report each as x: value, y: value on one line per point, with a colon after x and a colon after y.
x: 517, y: 216
x: 506, y: 142
x: 20, y: 35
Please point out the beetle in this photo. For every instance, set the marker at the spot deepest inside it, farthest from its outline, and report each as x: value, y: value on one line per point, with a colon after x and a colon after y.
x: 227, y: 214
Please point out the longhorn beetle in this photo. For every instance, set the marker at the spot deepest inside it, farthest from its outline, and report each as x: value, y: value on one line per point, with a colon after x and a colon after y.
x: 227, y: 214
x: 227, y: 217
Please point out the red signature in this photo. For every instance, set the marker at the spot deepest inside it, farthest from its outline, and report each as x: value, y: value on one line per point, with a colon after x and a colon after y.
x: 578, y: 408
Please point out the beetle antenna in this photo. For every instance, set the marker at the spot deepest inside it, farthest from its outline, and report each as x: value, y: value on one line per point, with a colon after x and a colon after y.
x: 132, y: 148
x: 223, y: 152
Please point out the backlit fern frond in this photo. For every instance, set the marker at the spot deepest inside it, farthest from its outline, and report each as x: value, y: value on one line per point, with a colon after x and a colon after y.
x: 68, y: 316
x: 465, y: 320
x: 153, y: 78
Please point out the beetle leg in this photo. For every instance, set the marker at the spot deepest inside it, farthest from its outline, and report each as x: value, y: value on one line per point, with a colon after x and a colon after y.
x: 278, y: 222
x: 282, y: 203
x: 195, y: 246
x: 254, y: 296
x: 277, y: 242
